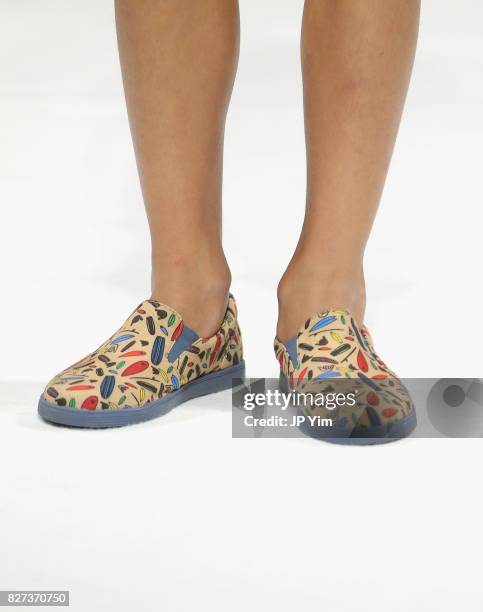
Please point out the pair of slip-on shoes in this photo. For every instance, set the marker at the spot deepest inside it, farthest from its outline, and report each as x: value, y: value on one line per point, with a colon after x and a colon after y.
x: 155, y: 362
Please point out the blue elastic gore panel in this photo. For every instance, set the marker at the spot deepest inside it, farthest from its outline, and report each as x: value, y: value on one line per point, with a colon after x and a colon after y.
x: 188, y: 336
x: 291, y: 347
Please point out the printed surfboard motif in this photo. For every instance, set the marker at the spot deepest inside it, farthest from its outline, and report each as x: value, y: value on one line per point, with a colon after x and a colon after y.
x: 332, y: 346
x: 136, y: 365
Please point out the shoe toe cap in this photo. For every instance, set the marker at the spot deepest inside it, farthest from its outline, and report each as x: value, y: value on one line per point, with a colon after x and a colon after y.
x: 73, y: 394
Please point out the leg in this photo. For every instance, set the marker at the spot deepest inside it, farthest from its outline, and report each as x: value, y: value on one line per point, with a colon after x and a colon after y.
x: 179, y: 61
x: 357, y: 57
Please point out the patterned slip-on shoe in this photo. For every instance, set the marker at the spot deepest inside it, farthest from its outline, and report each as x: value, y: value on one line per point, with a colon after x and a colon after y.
x: 333, y: 354
x: 151, y: 364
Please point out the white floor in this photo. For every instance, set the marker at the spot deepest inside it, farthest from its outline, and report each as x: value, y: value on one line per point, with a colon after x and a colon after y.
x: 174, y: 514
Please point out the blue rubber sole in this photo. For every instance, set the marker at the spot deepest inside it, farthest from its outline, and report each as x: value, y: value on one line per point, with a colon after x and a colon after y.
x: 359, y: 436
x: 100, y: 419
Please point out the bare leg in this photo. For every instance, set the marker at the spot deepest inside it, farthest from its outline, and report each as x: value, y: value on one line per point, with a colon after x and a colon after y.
x: 357, y: 57
x: 179, y: 62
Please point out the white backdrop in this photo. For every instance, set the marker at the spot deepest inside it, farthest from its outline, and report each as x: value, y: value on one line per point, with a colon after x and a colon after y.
x: 175, y: 509
x: 74, y: 247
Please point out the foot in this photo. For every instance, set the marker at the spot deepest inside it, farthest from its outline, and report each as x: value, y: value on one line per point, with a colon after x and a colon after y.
x: 142, y: 367
x: 332, y: 352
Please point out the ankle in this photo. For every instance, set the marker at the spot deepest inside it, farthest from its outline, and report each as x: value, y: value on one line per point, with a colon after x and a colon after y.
x: 197, y: 286
x: 307, y: 289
